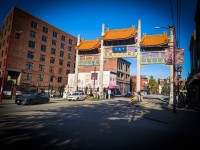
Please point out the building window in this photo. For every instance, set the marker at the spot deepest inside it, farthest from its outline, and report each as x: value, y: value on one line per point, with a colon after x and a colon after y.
x: 41, y: 67
x: 44, y: 38
x: 43, y: 48
x: 69, y: 56
x: 2, y: 53
x: 40, y: 77
x: 45, y: 30
x: 55, y: 34
x: 63, y: 38
x: 52, y: 60
x: 33, y: 34
x: 68, y: 64
x: 51, y: 69
x: 50, y: 78
x: 30, y: 55
x: 67, y: 72
x: 42, y: 57
x: 62, y: 45
x: 54, y: 42
x: 34, y: 25
x: 59, y: 79
x: 70, y: 41
x: 53, y: 51
x: 31, y: 44
x: 29, y: 65
x: 27, y: 76
x: 69, y: 48
x: 60, y: 70
x: 61, y: 54
x: 60, y: 62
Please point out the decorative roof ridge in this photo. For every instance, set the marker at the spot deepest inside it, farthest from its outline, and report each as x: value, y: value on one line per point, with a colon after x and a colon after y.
x: 90, y: 44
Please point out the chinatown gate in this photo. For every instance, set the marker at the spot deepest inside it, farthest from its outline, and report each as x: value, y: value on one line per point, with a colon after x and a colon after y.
x: 124, y: 43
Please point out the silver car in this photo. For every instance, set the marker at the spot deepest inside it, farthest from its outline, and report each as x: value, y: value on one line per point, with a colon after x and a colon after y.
x: 75, y: 96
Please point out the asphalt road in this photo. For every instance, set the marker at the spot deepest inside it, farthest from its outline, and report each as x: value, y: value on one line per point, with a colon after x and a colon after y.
x: 105, y: 124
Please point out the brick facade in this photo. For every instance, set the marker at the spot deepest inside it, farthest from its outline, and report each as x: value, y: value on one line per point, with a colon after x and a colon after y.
x: 33, y: 43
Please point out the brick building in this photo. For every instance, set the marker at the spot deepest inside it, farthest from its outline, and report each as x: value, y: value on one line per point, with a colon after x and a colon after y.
x: 143, y: 83
x: 193, y: 80
x: 42, y: 55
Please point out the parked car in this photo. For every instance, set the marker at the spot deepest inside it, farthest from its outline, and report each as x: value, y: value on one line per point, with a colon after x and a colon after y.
x: 129, y: 94
x: 32, y: 98
x: 75, y: 96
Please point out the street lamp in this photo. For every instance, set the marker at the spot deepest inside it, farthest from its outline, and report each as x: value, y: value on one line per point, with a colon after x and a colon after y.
x: 172, y: 66
x: 178, y: 70
x: 16, y: 34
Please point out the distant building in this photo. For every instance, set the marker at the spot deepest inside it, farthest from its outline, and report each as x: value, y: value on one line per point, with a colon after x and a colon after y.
x: 143, y: 82
x: 86, y: 80
x: 41, y: 56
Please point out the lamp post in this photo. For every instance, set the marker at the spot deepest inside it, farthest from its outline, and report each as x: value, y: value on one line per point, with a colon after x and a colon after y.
x: 16, y: 34
x: 172, y: 66
x: 178, y: 70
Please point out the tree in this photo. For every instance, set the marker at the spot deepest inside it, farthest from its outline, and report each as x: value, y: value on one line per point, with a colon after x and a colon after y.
x: 165, y: 88
x: 132, y: 86
x: 153, y: 85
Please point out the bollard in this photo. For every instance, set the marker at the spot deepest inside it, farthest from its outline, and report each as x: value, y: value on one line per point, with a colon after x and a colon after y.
x: 132, y: 100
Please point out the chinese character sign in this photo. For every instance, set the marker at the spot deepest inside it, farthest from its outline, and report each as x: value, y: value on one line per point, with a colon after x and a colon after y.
x: 120, y: 51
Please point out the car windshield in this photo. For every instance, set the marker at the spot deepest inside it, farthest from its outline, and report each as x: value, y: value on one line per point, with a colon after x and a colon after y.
x: 75, y: 93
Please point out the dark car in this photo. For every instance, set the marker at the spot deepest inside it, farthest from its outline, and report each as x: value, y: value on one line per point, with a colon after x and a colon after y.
x: 129, y: 94
x: 32, y: 98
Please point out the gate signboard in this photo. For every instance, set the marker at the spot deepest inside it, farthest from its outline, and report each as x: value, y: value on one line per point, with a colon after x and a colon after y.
x: 152, y: 58
x: 89, y: 60
x: 120, y: 51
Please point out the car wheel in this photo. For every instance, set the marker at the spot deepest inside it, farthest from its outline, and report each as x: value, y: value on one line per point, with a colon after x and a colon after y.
x: 30, y: 102
x: 77, y: 99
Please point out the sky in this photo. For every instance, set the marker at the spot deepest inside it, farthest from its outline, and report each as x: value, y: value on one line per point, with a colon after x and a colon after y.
x: 85, y: 17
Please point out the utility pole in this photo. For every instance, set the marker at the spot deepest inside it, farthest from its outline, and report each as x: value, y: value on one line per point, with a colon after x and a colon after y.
x: 101, y: 64
x: 138, y: 55
x: 172, y: 67
x: 76, y: 67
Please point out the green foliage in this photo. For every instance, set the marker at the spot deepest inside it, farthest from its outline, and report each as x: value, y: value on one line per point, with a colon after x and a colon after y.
x: 165, y: 88
x: 153, y: 85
